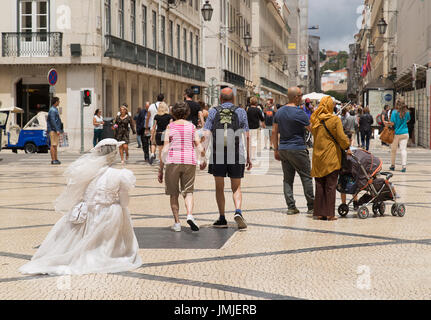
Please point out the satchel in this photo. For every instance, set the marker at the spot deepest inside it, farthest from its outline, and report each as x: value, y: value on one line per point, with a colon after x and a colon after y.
x: 345, y: 163
x: 79, y: 213
x: 387, y: 136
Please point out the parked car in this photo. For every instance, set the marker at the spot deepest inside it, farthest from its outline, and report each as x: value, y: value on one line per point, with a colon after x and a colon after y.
x: 32, y: 138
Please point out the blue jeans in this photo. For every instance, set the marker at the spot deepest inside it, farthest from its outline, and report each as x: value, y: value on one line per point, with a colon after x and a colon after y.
x: 138, y: 138
x: 97, y: 136
x: 365, y: 139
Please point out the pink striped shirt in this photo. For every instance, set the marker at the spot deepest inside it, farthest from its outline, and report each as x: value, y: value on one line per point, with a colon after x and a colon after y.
x: 181, y: 144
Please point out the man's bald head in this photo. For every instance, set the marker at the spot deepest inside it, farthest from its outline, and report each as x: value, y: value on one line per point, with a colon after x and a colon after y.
x: 294, y: 94
x: 227, y: 95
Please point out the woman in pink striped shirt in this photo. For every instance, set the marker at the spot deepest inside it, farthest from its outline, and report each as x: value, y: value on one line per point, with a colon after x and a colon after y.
x: 179, y: 155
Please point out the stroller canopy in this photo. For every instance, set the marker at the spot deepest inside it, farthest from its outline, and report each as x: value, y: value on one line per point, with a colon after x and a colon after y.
x: 364, y: 166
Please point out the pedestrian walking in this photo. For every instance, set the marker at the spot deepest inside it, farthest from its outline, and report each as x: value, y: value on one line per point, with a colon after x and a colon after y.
x: 196, y: 114
x: 54, y: 129
x: 138, y: 132
x: 152, y: 111
x: 256, y: 120
x: 365, y: 123
x: 161, y: 122
x: 269, y: 113
x: 224, y: 124
x: 179, y: 155
x: 359, y: 113
x: 122, y: 125
x: 290, y: 148
x: 329, y: 143
x: 140, y: 127
x: 399, y: 121
x: 98, y: 127
x: 411, y: 125
x: 381, y: 119
x: 95, y: 233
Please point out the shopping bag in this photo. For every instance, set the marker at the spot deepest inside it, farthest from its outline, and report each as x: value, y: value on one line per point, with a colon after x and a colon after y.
x: 64, y: 140
x: 387, y: 136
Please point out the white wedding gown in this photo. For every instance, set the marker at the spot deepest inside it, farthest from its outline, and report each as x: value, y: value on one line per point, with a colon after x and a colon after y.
x: 104, y: 243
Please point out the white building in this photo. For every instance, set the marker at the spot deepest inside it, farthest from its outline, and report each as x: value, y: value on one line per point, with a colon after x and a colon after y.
x: 227, y: 61
x: 270, y: 33
x: 122, y: 50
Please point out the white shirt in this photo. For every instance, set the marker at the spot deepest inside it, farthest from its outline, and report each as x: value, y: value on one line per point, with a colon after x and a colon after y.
x: 98, y: 120
x: 153, y: 110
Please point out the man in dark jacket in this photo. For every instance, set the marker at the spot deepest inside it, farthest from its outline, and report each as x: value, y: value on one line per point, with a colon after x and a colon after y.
x: 54, y: 129
x: 365, y: 123
x: 140, y: 129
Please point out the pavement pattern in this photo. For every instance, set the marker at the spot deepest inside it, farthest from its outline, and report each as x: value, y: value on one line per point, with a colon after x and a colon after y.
x: 279, y: 257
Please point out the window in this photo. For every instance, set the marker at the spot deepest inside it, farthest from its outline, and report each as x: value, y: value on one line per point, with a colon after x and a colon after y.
x: 178, y: 41
x: 133, y: 20
x: 191, y: 47
x: 185, y: 44
x: 154, y: 26
x: 144, y: 26
x: 197, y: 50
x: 171, y: 38
x: 163, y: 33
x: 34, y: 17
x: 107, y: 16
x: 121, y: 19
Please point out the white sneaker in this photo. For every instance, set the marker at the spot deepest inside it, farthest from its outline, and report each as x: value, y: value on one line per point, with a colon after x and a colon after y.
x: 176, y: 227
x: 192, y: 223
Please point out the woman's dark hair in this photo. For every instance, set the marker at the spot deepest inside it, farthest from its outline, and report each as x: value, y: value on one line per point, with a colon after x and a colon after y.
x: 97, y: 111
x: 55, y: 100
x: 181, y: 110
x: 366, y: 110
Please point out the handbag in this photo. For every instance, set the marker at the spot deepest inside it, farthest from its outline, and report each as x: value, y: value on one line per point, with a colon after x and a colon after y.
x: 345, y: 163
x: 78, y: 214
x: 388, y: 135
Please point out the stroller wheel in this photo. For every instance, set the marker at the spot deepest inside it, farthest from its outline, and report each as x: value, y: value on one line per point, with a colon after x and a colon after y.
x: 363, y: 213
x: 379, y: 208
x: 401, y: 210
x: 394, y: 209
x: 343, y: 210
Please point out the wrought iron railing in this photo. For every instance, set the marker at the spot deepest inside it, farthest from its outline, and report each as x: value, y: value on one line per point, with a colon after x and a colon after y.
x: 32, y: 44
x: 273, y: 85
x: 129, y: 52
x: 234, y: 78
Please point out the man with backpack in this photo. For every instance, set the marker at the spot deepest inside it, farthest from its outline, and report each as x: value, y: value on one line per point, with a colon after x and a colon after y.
x: 226, y: 124
x: 152, y: 111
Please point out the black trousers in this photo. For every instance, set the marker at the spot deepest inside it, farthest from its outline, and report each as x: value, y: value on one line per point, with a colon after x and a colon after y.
x: 146, y: 146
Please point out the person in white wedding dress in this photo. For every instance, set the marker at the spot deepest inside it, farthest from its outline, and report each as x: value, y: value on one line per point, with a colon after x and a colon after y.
x: 95, y: 234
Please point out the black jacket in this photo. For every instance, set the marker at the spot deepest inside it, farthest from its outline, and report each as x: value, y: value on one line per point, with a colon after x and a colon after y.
x: 365, y: 122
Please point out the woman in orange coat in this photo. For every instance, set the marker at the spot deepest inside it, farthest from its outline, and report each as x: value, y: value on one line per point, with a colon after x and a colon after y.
x: 326, y: 157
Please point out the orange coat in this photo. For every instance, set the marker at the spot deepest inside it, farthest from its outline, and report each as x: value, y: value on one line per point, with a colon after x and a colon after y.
x: 326, y: 154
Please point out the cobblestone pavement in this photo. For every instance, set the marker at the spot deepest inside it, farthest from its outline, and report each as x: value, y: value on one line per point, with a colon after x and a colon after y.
x: 277, y: 257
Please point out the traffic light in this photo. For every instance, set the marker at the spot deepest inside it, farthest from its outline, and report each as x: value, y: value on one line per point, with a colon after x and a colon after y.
x: 87, y: 97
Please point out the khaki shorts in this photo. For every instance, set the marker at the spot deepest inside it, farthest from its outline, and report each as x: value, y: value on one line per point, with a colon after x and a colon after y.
x: 54, y: 138
x: 180, y: 174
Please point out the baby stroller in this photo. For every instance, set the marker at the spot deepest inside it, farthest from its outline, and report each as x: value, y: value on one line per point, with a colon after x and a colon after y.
x: 364, y: 178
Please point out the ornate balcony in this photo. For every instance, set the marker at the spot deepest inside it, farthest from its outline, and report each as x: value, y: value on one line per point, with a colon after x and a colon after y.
x: 126, y: 51
x: 32, y: 44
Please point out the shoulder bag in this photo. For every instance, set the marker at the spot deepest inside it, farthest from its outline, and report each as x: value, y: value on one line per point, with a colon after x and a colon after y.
x: 345, y: 166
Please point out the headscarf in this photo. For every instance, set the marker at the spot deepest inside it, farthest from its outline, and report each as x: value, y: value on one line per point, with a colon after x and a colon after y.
x: 324, y: 112
x: 82, y: 171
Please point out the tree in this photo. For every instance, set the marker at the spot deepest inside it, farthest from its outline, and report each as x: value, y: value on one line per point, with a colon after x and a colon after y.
x: 338, y: 95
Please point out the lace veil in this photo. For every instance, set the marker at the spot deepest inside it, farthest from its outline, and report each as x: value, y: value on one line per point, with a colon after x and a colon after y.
x: 81, y: 172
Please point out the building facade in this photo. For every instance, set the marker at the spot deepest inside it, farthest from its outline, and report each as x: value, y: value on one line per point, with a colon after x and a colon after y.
x: 269, y: 51
x: 227, y: 60
x: 124, y: 51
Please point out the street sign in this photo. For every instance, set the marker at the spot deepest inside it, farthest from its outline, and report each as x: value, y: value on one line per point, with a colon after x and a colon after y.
x: 52, y: 90
x: 52, y: 77
x: 292, y: 46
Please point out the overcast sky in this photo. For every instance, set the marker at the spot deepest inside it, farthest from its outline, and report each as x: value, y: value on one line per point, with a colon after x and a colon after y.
x: 337, y: 20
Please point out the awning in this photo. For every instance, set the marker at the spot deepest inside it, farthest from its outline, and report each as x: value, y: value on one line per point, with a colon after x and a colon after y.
x: 405, y: 80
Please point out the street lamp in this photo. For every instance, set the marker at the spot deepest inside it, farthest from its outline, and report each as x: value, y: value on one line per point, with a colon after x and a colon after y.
x: 383, y: 26
x: 271, y: 56
x: 247, y: 39
x: 207, y: 11
x: 372, y: 48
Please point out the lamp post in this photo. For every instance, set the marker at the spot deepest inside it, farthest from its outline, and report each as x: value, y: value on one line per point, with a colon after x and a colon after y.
x: 207, y: 11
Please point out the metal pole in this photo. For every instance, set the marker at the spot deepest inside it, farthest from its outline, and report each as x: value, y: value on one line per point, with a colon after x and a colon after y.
x: 82, y: 121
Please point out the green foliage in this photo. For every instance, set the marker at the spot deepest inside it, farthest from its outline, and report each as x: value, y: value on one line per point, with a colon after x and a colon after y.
x: 336, y: 63
x: 337, y: 95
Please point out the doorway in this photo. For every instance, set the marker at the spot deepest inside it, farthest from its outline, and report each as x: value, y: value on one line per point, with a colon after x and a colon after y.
x: 32, y: 98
